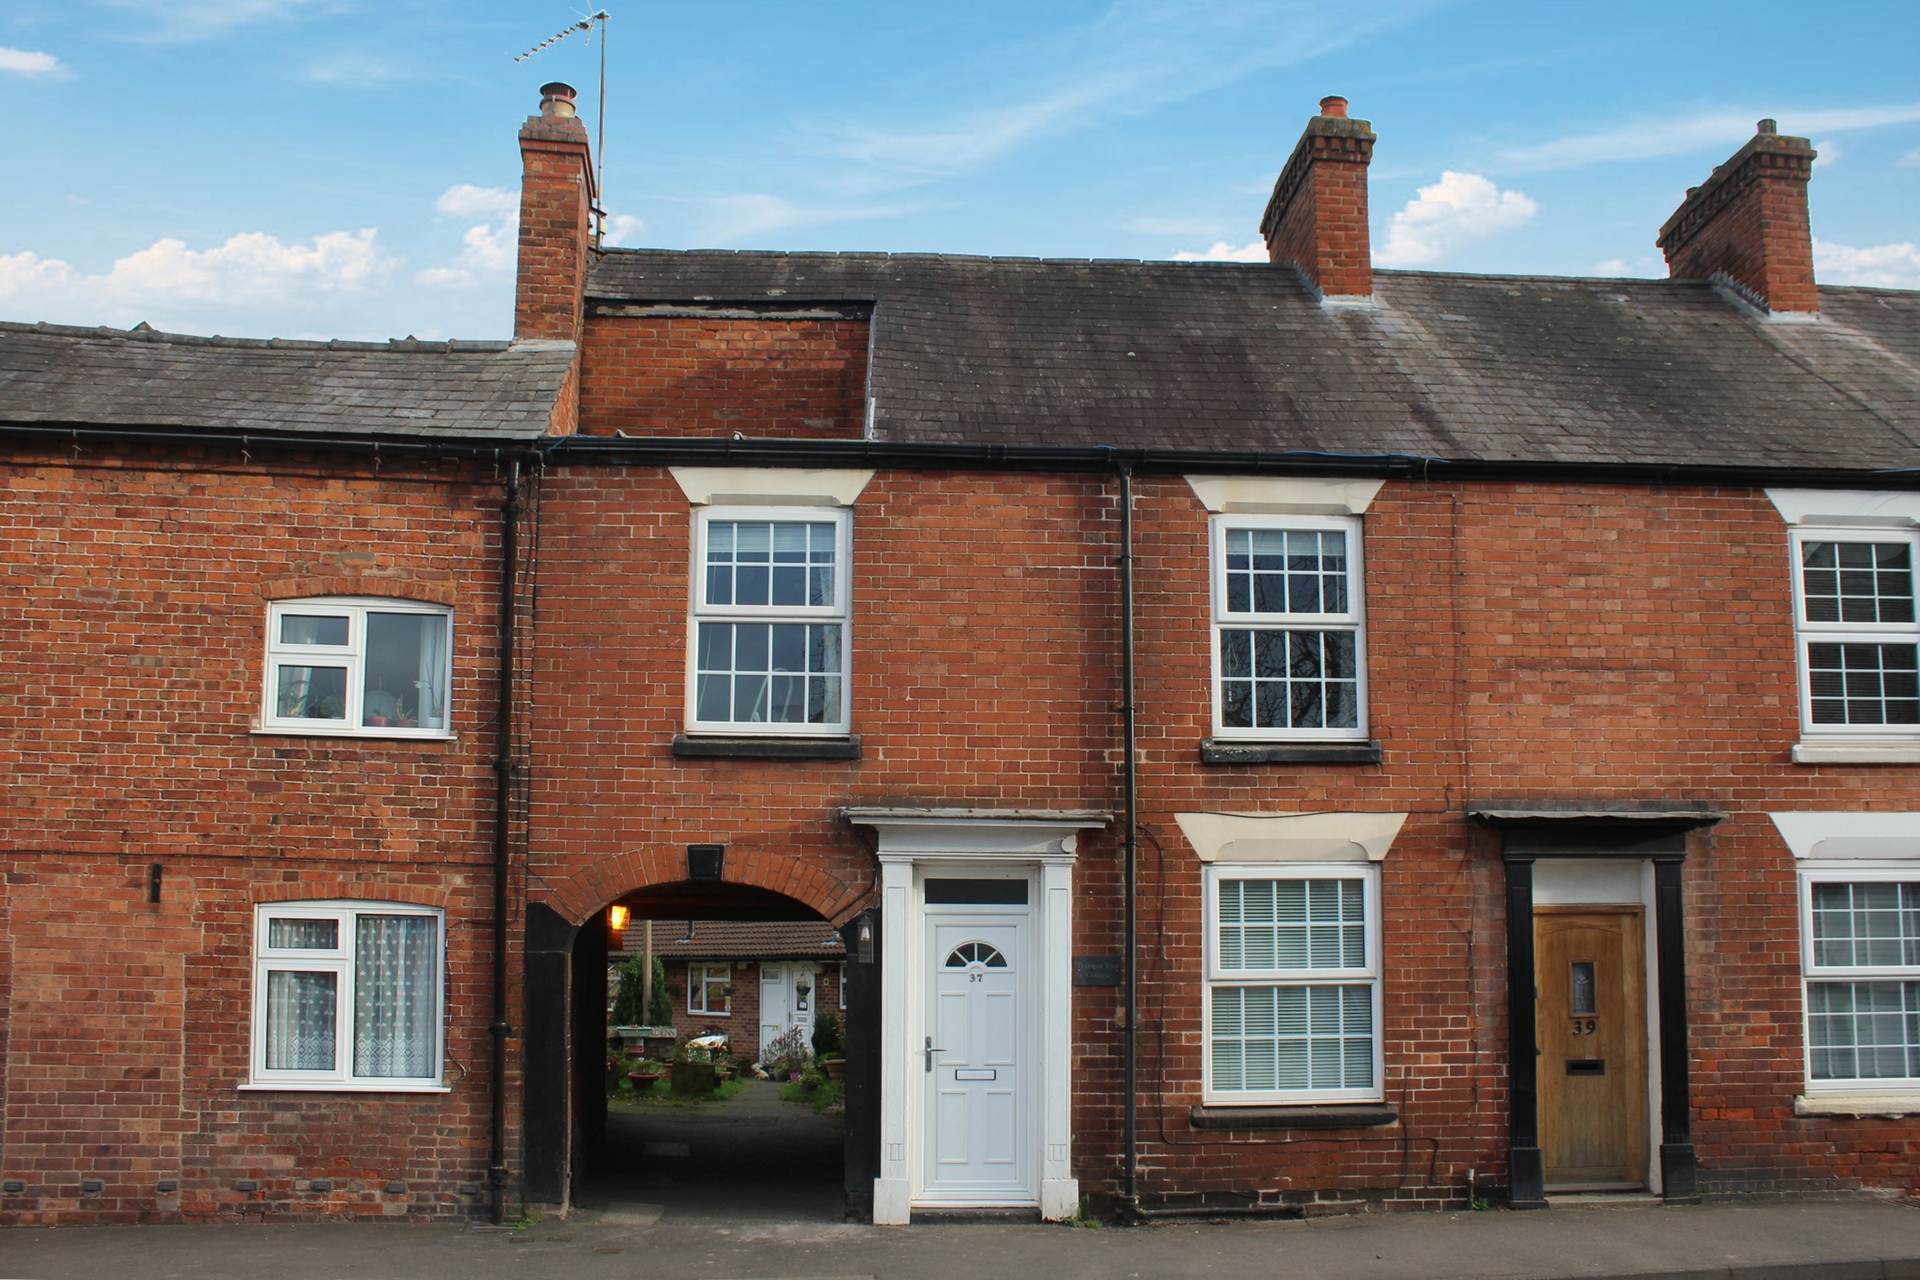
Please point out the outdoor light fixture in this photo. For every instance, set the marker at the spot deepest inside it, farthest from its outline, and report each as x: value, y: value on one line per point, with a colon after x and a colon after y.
x: 863, y: 940
x: 617, y: 919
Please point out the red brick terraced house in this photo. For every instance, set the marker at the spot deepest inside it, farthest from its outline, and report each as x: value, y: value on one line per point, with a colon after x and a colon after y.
x: 1280, y: 738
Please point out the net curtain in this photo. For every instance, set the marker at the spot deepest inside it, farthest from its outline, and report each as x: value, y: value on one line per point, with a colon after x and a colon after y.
x: 395, y: 1001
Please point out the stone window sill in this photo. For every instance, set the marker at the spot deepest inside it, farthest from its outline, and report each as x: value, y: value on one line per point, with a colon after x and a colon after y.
x: 1862, y: 752
x: 1226, y: 751
x: 1364, y: 1115
x: 688, y: 747
x: 1890, y: 1105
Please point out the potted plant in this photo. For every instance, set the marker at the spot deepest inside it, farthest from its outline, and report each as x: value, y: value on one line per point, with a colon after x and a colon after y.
x: 829, y: 1050
x: 645, y: 1075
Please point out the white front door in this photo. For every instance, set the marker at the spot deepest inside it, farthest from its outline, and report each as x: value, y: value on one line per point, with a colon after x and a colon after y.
x: 975, y: 1060
x: 773, y: 1004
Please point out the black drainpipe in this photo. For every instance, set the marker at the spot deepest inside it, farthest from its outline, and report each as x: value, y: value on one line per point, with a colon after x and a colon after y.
x: 499, y: 1028
x: 1129, y: 772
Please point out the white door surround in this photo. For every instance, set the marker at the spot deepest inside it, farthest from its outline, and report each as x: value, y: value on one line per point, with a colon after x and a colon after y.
x: 1035, y: 846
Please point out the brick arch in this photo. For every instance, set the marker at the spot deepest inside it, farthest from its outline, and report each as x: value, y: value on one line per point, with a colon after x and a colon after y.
x: 806, y: 882
x: 272, y: 894
x: 381, y: 584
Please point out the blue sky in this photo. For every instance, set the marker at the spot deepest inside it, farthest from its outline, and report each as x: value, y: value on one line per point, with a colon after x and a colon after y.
x: 314, y: 168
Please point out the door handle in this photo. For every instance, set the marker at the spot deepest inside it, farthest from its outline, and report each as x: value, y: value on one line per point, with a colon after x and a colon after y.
x: 930, y: 1051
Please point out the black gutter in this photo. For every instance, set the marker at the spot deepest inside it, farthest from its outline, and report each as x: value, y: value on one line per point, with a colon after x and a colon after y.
x: 665, y: 451
x: 499, y: 1028
x: 1130, y: 773
x: 275, y: 441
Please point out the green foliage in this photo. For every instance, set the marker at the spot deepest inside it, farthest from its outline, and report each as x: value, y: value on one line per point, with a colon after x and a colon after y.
x: 626, y: 998
x: 660, y: 1012
x: 627, y: 1010
x: 786, y: 1053
x: 827, y: 1042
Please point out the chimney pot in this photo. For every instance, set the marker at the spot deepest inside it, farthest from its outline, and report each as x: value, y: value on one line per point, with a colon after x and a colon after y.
x: 556, y: 99
x: 1334, y: 106
x: 1768, y: 126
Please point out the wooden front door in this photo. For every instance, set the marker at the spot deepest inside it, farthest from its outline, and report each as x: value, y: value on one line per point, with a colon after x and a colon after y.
x: 1590, y: 965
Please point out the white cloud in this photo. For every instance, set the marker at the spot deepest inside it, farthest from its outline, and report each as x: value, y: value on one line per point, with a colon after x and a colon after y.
x: 1221, y: 251
x: 1649, y: 267
x: 181, y: 21
x: 739, y: 217
x: 1678, y: 136
x: 1911, y: 160
x: 1134, y: 57
x: 1895, y: 266
x: 1458, y: 209
x: 1829, y: 150
x: 249, y: 270
x: 30, y: 62
x: 491, y: 245
x: 622, y: 226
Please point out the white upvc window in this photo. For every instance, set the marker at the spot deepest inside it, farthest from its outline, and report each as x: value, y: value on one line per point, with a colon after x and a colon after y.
x: 1858, y: 637
x: 768, y: 643
x: 362, y: 668
x: 348, y: 995
x: 1289, y: 643
x: 1292, y: 984
x: 1860, y: 945
x: 709, y: 988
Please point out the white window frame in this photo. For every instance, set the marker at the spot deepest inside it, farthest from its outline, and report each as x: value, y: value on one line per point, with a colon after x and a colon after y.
x: 840, y: 613
x: 339, y: 960
x: 1847, y: 873
x: 352, y: 656
x: 1369, y: 876
x: 698, y: 972
x: 1806, y: 632
x: 1353, y: 620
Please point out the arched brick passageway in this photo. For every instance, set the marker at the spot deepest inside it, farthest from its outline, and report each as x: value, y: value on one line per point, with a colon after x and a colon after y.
x: 578, y: 898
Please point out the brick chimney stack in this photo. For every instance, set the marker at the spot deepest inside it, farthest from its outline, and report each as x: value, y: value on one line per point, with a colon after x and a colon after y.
x: 1316, y: 221
x: 1746, y: 226
x: 556, y: 220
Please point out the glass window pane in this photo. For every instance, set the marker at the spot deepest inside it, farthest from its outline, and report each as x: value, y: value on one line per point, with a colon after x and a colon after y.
x: 1863, y: 1030
x: 302, y: 628
x: 1857, y: 581
x: 395, y: 996
x: 300, y: 1020
x: 406, y: 671
x: 312, y: 693
x: 1292, y: 1037
x: 1863, y: 683
x: 304, y: 935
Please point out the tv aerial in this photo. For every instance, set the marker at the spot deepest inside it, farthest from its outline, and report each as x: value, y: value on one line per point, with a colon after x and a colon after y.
x: 586, y: 24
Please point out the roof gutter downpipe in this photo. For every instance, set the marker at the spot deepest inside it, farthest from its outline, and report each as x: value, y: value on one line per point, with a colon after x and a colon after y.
x: 500, y: 1029
x: 1129, y: 772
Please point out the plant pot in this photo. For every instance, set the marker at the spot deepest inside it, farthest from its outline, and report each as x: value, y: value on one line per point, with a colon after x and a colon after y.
x: 644, y: 1080
x: 836, y: 1068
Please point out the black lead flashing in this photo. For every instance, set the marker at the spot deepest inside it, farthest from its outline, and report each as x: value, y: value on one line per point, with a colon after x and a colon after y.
x: 914, y: 456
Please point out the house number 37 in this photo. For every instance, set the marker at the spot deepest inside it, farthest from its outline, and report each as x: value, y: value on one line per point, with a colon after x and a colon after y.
x: 976, y: 977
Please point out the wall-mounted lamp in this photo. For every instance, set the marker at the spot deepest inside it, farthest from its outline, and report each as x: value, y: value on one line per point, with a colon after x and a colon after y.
x: 617, y: 919
x: 863, y: 941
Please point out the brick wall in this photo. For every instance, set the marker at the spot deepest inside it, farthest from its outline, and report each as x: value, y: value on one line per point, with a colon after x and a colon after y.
x: 133, y: 596
x: 1528, y: 644
x: 689, y: 376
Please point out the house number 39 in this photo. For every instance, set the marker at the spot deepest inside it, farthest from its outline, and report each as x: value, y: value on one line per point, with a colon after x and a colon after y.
x: 1585, y: 1026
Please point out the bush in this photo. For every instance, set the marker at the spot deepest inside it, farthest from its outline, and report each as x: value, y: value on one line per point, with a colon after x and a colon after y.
x: 827, y: 1042
x: 785, y: 1053
x: 626, y: 999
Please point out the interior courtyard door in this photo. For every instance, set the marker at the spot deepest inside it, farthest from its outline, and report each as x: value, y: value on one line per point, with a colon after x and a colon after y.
x: 786, y: 1001
x: 975, y: 1060
x: 1591, y: 1019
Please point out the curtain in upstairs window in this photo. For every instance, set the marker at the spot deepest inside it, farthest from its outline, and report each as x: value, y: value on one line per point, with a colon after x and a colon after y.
x: 394, y: 1001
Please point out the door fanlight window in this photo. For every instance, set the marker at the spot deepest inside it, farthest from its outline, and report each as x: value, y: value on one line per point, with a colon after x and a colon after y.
x: 972, y: 953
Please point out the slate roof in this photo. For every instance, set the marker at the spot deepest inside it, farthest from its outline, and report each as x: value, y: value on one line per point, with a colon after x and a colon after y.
x: 740, y: 940
x: 141, y: 378
x: 1242, y: 356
